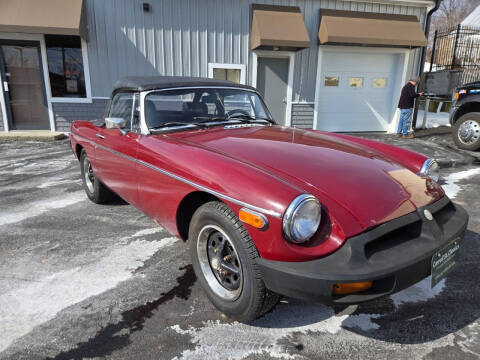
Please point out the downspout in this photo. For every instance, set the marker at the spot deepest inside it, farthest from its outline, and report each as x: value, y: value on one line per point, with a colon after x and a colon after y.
x: 424, y: 52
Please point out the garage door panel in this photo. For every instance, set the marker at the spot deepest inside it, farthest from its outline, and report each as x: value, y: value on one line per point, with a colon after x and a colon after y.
x: 357, y: 91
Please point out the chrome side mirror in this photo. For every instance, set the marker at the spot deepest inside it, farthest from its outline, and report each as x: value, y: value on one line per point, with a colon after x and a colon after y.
x: 116, y: 123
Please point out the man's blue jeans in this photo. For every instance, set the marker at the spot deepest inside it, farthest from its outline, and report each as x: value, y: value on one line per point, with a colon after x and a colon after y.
x: 404, y: 123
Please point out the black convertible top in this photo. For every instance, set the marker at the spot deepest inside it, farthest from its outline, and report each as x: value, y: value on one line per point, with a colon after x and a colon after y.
x: 141, y: 83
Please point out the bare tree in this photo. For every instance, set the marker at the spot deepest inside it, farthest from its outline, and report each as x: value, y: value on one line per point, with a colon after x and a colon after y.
x: 452, y: 12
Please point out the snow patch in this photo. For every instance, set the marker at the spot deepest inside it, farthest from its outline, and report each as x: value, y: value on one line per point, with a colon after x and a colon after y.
x: 451, y: 188
x: 265, y: 335
x: 421, y: 291
x: 39, y: 301
x: 28, y: 210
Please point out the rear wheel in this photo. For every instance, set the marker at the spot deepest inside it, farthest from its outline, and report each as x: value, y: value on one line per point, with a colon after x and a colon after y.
x: 466, y: 131
x: 95, y: 190
x: 224, y: 259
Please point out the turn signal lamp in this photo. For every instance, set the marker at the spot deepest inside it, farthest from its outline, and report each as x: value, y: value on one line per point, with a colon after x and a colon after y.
x: 350, y: 288
x: 253, y: 218
x: 457, y: 95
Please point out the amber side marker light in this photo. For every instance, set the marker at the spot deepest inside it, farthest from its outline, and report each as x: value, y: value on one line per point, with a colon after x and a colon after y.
x: 253, y: 218
x: 350, y: 288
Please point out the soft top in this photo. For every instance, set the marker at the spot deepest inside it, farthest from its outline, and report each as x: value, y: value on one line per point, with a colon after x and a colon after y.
x: 141, y: 83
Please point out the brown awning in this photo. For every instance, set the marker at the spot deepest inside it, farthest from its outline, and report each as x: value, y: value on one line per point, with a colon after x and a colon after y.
x: 278, y: 26
x: 349, y: 27
x: 60, y: 17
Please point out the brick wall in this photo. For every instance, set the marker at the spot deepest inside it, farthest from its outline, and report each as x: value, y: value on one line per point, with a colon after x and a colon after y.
x: 65, y: 113
x: 302, y: 116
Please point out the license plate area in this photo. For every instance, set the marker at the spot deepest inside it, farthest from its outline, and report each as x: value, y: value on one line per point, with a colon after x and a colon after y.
x: 444, y: 260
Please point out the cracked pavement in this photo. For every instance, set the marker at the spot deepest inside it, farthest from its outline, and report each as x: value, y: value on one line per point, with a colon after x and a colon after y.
x: 79, y: 280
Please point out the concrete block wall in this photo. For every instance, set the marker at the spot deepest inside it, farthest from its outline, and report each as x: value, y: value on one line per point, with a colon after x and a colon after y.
x: 302, y: 116
x: 65, y: 113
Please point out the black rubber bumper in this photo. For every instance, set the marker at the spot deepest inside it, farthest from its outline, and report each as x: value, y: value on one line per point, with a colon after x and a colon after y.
x: 394, y: 255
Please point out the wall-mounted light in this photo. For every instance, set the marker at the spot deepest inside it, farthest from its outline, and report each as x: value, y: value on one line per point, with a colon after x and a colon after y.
x: 146, y: 7
x: 276, y: 48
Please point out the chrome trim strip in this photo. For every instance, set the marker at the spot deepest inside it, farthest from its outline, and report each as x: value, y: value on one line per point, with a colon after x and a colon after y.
x: 188, y: 182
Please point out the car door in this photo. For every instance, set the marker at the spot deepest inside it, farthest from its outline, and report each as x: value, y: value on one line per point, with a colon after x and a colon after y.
x: 116, y: 150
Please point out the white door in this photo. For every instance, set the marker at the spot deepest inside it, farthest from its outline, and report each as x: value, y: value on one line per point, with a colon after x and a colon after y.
x: 358, y: 90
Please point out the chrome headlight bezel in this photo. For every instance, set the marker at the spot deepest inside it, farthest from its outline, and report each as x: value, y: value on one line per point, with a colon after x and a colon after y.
x: 431, y: 169
x: 290, y: 214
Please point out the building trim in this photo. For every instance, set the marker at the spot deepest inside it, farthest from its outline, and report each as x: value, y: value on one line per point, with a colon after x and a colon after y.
x: 332, y: 48
x: 241, y: 67
x: 291, y: 67
x: 3, y: 108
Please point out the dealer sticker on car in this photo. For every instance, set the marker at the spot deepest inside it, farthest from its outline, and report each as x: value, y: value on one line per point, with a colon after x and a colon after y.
x: 444, y: 260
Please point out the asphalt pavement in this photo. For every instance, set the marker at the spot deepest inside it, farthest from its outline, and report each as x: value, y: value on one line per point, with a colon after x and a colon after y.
x: 79, y: 280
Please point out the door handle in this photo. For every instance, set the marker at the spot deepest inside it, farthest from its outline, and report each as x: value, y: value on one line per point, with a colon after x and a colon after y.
x: 100, y: 136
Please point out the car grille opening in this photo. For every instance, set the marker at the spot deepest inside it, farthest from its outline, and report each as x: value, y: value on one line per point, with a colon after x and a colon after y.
x: 396, y: 238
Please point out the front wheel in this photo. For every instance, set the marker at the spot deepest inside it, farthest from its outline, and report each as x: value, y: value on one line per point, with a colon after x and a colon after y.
x: 224, y: 259
x: 466, y: 131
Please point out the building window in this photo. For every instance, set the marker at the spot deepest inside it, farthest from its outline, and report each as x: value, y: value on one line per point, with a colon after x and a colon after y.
x: 230, y: 72
x: 331, y: 80
x: 379, y: 82
x: 65, y: 66
x: 356, y: 82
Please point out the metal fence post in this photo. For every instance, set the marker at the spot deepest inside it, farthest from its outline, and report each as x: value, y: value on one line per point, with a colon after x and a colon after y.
x: 454, y: 60
x: 433, y: 50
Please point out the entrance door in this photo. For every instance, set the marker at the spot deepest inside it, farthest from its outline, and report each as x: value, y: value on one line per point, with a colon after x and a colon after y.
x: 358, y: 90
x: 272, y: 83
x: 23, y: 85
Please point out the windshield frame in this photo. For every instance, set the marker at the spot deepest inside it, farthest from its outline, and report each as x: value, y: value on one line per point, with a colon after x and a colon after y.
x: 143, y: 94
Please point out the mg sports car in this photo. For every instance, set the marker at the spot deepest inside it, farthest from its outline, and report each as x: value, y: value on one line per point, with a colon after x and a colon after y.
x: 268, y: 210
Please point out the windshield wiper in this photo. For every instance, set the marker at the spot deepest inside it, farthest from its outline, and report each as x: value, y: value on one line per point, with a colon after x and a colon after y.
x: 249, y: 118
x: 206, y: 119
x: 177, y: 123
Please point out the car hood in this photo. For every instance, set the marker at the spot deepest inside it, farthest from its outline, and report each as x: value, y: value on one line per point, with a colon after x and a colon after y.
x: 371, y: 187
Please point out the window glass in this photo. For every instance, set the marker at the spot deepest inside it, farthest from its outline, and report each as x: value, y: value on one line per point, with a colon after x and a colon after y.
x: 121, y: 107
x: 65, y: 66
x: 356, y: 82
x: 185, y: 106
x: 331, y: 80
x: 379, y: 82
x: 136, y: 114
x: 227, y: 74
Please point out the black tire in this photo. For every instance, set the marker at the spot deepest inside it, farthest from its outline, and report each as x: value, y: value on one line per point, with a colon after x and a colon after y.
x: 466, y: 131
x: 96, y: 191
x: 252, y: 299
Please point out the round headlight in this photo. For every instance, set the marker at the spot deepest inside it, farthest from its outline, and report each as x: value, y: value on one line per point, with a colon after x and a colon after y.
x: 302, y: 218
x: 431, y: 169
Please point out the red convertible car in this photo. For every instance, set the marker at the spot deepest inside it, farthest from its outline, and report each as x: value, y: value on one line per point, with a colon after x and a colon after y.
x: 268, y: 210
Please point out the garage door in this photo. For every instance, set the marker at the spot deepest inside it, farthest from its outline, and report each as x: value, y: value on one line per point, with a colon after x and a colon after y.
x: 358, y: 91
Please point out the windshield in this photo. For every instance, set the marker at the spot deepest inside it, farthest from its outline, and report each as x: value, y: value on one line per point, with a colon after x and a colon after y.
x: 194, y: 106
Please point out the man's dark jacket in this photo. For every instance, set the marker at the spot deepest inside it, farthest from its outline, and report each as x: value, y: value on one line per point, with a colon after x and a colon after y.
x: 407, y: 97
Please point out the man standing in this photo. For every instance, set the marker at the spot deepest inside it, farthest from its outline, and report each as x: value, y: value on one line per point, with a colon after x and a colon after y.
x: 407, y: 99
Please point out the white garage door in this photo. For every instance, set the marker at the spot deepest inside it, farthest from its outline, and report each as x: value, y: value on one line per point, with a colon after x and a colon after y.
x: 358, y: 91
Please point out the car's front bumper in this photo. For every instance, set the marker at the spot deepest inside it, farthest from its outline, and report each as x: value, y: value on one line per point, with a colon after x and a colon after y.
x: 393, y: 255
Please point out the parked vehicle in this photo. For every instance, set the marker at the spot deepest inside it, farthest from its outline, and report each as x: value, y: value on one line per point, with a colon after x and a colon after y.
x: 268, y: 210
x: 465, y: 116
